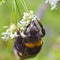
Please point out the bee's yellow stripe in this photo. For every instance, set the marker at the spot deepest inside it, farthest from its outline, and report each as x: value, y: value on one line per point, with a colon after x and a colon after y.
x: 39, y: 43
x: 32, y: 45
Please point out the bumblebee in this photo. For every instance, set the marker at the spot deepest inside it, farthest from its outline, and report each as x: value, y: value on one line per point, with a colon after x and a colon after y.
x: 30, y: 44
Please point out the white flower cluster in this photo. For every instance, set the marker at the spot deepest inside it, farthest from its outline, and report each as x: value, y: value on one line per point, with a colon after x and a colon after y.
x: 25, y: 20
x: 9, y: 33
x: 53, y: 3
x: 2, y: 2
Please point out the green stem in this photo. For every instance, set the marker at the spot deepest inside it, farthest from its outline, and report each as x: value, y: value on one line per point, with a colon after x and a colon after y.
x: 24, y: 5
x: 15, y: 11
x: 11, y: 14
x: 17, y: 8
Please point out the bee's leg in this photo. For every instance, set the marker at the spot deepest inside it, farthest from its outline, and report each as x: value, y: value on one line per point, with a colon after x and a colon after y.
x: 25, y: 31
x: 42, y: 29
x: 19, y: 34
x: 16, y: 54
x: 43, y: 32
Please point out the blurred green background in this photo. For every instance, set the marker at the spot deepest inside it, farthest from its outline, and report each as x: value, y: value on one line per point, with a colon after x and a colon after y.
x: 50, y: 20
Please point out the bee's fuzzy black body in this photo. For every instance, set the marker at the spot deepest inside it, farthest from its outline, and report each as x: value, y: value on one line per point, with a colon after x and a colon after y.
x: 32, y: 43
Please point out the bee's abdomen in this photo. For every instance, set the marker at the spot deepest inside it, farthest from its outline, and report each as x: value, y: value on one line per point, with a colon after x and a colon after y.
x: 33, y: 51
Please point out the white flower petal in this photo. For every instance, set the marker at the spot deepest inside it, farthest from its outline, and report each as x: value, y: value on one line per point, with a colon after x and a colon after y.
x: 4, y: 33
x: 53, y: 3
x: 5, y: 27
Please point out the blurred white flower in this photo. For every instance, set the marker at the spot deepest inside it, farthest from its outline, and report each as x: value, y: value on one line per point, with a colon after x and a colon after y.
x: 27, y: 17
x: 5, y: 27
x: 2, y: 2
x: 12, y: 27
x: 4, y: 38
x: 9, y: 33
x: 53, y: 3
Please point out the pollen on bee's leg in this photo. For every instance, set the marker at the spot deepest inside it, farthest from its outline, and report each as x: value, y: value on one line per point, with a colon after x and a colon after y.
x: 20, y: 53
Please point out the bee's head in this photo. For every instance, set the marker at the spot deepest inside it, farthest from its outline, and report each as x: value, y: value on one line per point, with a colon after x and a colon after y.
x: 33, y: 29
